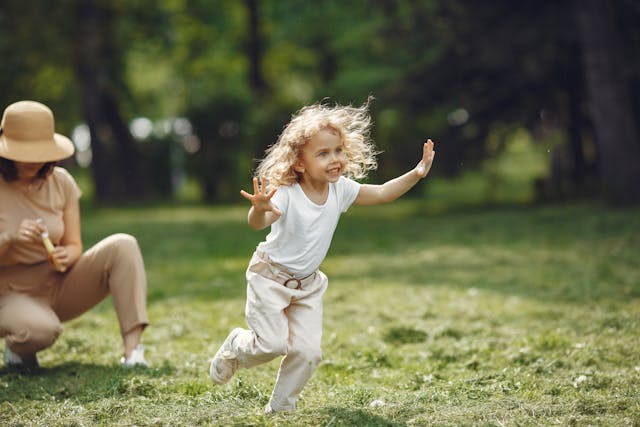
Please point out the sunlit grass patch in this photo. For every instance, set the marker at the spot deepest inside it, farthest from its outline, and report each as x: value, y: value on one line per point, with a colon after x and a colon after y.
x: 499, y: 317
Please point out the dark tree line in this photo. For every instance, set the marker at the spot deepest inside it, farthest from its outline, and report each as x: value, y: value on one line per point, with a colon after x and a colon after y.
x: 237, y: 70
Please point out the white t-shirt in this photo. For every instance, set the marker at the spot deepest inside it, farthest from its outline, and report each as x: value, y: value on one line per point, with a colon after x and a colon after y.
x: 300, y: 238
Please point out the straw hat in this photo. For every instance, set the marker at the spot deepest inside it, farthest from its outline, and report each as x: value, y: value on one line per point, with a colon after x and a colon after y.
x: 27, y: 134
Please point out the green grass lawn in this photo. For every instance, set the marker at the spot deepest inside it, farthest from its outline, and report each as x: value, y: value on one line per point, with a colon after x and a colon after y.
x: 509, y: 316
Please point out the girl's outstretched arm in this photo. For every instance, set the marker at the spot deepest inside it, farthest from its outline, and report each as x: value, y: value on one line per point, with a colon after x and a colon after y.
x: 262, y: 213
x: 391, y: 190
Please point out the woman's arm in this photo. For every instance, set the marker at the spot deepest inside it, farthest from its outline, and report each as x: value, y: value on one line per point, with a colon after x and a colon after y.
x: 70, y: 248
x: 391, y: 190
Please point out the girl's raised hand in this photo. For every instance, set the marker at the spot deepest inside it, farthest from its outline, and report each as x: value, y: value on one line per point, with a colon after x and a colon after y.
x: 428, y: 153
x: 261, y: 200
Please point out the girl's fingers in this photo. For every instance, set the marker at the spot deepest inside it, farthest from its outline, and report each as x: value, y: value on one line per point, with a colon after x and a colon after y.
x: 271, y: 193
x: 255, y: 186
x: 427, y: 150
x: 246, y: 195
x: 263, y: 181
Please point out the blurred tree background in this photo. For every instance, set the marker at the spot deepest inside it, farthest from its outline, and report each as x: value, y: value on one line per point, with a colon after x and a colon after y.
x: 163, y: 96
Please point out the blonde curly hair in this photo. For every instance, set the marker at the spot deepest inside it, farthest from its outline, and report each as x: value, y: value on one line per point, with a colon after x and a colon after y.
x: 353, y: 124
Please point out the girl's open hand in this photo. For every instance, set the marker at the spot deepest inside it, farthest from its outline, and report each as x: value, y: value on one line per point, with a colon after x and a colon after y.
x: 261, y: 200
x: 428, y: 153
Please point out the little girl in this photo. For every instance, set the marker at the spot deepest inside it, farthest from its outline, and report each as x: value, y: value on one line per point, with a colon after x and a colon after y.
x: 306, y: 182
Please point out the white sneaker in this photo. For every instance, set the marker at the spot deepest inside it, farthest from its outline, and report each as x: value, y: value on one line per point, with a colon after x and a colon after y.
x: 136, y: 358
x: 268, y: 410
x: 224, y: 363
x: 13, y: 361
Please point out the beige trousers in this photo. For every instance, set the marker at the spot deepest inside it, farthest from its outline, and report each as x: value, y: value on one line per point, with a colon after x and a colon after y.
x: 35, y: 299
x: 282, y: 321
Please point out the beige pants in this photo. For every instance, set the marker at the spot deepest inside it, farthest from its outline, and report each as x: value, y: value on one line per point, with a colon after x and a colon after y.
x: 282, y: 321
x: 35, y: 299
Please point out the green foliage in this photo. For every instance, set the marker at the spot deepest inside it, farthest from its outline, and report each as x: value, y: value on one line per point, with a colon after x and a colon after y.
x: 516, y: 316
x: 458, y: 71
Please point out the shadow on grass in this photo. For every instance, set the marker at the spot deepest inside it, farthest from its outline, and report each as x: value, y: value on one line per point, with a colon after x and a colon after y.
x: 355, y: 417
x: 83, y: 382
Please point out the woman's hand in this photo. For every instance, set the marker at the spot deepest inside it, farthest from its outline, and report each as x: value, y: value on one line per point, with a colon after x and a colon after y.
x: 428, y: 153
x: 60, y: 258
x: 28, y: 231
x: 261, y: 200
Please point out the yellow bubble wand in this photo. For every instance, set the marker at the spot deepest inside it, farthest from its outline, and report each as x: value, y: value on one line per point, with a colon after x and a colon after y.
x: 46, y: 241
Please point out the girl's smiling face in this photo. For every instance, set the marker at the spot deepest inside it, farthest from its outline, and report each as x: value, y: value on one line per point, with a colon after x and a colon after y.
x: 322, y: 159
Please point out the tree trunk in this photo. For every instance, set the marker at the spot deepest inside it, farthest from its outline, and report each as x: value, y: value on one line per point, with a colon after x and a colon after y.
x: 609, y: 101
x: 116, y: 161
x: 256, y: 79
x: 576, y: 124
